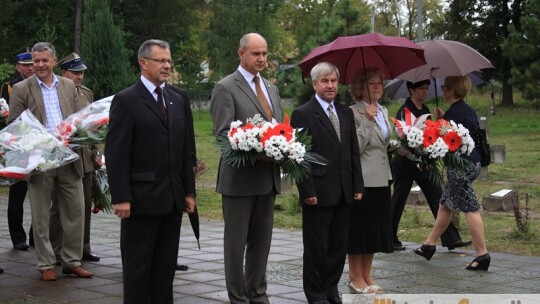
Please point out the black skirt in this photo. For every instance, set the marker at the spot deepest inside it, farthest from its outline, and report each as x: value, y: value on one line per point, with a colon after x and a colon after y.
x: 371, y: 223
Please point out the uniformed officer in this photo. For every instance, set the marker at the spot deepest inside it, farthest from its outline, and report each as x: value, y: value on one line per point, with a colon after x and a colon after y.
x: 25, y: 68
x: 73, y: 68
x: 17, y: 191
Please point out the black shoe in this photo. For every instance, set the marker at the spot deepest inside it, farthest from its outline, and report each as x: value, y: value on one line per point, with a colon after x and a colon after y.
x: 1, y: 270
x: 58, y: 260
x: 482, y: 263
x: 335, y: 300
x: 90, y: 256
x: 458, y: 244
x: 181, y: 267
x: 427, y: 251
x: 21, y: 246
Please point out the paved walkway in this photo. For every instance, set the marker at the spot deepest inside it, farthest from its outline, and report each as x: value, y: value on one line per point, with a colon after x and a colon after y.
x: 204, y: 282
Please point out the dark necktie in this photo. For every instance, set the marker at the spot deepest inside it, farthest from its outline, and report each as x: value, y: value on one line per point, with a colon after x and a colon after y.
x: 161, y: 102
x: 334, y: 120
x: 262, y: 98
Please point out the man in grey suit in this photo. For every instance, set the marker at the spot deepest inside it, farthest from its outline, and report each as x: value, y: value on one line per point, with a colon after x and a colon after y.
x: 248, y: 193
x: 51, y: 99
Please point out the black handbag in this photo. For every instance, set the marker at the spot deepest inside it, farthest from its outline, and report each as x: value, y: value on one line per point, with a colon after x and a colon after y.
x: 483, y: 147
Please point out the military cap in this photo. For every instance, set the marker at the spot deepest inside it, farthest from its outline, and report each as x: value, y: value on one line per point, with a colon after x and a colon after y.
x: 72, y: 62
x: 24, y: 58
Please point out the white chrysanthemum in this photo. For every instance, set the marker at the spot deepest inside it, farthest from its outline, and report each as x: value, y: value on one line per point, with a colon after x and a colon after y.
x: 254, y: 143
x: 297, y: 152
x: 438, y: 149
x: 235, y: 124
x: 276, y: 147
x: 415, y: 137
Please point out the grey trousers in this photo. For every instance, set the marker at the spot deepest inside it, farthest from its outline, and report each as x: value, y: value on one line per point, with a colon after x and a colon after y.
x: 66, y: 186
x: 248, y: 229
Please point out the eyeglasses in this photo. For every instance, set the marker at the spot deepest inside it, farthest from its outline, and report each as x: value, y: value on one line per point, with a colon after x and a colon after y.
x: 162, y: 61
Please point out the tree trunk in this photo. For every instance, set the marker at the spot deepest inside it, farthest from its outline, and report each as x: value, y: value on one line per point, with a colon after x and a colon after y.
x: 507, y: 94
x: 78, y: 22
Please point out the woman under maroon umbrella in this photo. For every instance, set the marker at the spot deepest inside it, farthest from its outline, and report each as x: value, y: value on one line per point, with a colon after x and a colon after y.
x: 371, y: 222
x: 458, y: 194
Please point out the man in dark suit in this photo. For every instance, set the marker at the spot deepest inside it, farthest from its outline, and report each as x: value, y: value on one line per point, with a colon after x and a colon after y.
x: 248, y: 193
x: 17, y: 191
x: 327, y: 193
x: 149, y: 165
x: 406, y: 171
x: 51, y: 99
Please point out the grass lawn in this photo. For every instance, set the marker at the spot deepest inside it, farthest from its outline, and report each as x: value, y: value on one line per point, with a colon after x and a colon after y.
x: 517, y: 128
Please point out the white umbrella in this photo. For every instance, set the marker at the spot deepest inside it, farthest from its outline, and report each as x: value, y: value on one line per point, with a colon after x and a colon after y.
x: 446, y: 58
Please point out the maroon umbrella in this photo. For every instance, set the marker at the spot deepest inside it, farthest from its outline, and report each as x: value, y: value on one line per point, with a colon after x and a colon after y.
x: 392, y: 55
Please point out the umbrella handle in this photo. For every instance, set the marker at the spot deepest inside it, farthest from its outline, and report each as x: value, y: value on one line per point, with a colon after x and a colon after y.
x: 365, y: 75
x: 436, y: 97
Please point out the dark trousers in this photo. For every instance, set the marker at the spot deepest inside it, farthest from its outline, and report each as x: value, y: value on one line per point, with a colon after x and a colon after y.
x: 432, y: 192
x: 17, y: 194
x: 248, y: 229
x: 149, y: 248
x: 325, y: 233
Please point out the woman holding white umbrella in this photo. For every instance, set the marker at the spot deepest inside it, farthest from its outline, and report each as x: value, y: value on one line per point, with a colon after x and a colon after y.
x: 458, y: 194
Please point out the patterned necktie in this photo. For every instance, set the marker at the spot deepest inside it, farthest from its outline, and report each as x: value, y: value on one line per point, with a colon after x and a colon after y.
x: 334, y: 120
x: 262, y: 98
x: 161, y: 102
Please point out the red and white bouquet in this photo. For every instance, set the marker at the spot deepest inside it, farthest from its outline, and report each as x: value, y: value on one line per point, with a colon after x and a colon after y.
x: 26, y: 147
x: 434, y: 144
x: 258, y: 139
x: 87, y: 126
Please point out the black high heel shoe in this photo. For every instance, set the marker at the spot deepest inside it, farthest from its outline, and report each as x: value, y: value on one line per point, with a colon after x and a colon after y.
x: 427, y: 251
x: 482, y: 263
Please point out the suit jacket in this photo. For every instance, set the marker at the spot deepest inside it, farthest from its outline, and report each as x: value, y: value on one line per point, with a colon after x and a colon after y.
x: 189, y: 119
x: 148, y: 158
x: 233, y: 99
x: 342, y: 176
x: 373, y: 147
x: 27, y: 95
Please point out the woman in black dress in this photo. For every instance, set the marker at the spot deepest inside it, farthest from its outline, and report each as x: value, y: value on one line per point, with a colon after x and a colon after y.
x: 458, y: 194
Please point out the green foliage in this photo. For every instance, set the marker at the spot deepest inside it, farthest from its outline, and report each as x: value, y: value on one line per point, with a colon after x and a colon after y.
x: 7, y: 70
x: 24, y: 23
x: 229, y: 21
x: 522, y: 49
x: 102, y: 47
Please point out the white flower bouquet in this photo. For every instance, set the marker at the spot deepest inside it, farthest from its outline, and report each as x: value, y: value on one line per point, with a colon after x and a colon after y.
x: 434, y: 144
x: 26, y: 147
x: 257, y: 139
x: 87, y: 126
